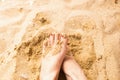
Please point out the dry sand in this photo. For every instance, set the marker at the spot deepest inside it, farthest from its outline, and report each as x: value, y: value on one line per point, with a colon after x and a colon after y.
x: 92, y: 26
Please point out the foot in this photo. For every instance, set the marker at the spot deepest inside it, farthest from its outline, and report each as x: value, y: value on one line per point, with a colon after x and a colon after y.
x: 54, y: 50
x: 72, y: 70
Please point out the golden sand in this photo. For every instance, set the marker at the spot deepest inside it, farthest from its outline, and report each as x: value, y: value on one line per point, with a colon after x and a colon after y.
x: 92, y: 28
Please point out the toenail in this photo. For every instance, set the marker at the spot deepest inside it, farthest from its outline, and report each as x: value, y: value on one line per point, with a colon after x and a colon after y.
x: 63, y: 35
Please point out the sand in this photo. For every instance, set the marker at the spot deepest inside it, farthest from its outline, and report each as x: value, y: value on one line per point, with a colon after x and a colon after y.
x: 92, y: 27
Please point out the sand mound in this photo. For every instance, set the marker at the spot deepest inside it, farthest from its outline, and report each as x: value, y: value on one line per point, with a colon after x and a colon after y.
x: 92, y: 27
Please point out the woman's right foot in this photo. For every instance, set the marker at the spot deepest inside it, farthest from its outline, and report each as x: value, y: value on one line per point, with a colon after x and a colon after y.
x: 54, y: 50
x: 72, y: 70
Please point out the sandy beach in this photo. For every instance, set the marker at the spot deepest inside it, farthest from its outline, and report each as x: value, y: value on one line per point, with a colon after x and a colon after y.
x: 92, y: 27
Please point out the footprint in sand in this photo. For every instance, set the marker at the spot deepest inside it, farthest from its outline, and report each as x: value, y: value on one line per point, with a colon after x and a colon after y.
x: 83, y: 23
x: 41, y: 19
x: 111, y: 23
x: 82, y: 49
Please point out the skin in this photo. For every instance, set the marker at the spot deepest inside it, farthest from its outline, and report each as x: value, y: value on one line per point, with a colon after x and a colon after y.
x: 51, y: 63
x: 54, y: 57
x: 72, y: 70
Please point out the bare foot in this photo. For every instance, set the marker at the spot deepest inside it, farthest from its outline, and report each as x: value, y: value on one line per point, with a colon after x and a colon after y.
x: 72, y: 70
x: 54, y: 50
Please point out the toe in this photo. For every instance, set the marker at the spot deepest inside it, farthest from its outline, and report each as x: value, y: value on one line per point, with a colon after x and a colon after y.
x: 64, y: 41
x: 51, y: 38
x: 57, y: 37
x: 45, y: 44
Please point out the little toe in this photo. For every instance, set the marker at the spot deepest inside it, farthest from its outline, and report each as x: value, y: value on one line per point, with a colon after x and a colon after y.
x: 64, y: 41
x: 64, y: 45
x: 57, y: 37
x: 45, y: 44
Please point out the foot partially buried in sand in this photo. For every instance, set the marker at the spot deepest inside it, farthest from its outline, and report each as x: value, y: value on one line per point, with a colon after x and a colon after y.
x: 54, y: 54
x: 54, y: 49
